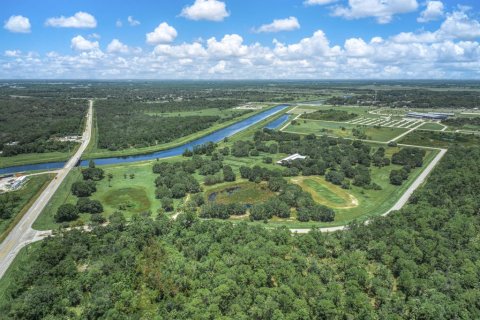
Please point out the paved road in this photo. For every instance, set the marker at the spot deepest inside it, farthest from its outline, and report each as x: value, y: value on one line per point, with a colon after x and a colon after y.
x: 23, y: 234
x: 407, y: 132
x: 403, y: 199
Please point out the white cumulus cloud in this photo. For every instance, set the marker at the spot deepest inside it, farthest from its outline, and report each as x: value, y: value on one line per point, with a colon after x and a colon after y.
x: 18, y: 24
x: 382, y: 10
x: 356, y: 47
x: 79, y: 43
x: 459, y: 25
x: 288, y: 24
x: 212, y: 10
x: 433, y: 11
x: 220, y: 67
x: 231, y: 45
x: 78, y: 20
x: 164, y: 33
x: 117, y: 46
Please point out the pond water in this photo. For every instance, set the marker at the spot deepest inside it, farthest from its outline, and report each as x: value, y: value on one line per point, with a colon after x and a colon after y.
x: 215, y: 136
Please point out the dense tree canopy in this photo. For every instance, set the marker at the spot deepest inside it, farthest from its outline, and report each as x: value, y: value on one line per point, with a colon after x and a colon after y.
x: 31, y: 125
x: 419, y: 263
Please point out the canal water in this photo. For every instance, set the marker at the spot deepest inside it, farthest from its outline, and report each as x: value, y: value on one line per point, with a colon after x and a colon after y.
x: 277, y: 122
x: 215, y: 136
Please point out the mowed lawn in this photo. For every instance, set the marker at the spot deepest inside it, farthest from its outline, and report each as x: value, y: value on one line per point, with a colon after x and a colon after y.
x: 432, y: 126
x: 343, y: 130
x: 326, y: 193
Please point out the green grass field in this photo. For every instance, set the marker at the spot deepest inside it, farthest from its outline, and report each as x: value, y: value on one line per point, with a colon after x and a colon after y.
x: 432, y: 126
x: 135, y: 195
x: 440, y: 139
x: 326, y: 193
x: 123, y: 194
x: 240, y: 192
x: 27, y: 194
x: 63, y: 195
x: 343, y: 130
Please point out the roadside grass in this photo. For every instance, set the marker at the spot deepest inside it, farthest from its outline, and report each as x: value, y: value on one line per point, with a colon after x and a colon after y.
x: 63, y: 195
x: 28, y: 194
x: 343, y: 130
x: 439, y: 139
x: 95, y: 153
x: 431, y: 126
x: 24, y: 257
x: 35, y: 158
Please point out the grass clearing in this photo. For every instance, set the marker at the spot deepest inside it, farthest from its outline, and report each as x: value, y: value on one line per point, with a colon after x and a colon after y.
x: 432, y: 126
x: 240, y: 192
x: 125, y: 194
x: 326, y: 193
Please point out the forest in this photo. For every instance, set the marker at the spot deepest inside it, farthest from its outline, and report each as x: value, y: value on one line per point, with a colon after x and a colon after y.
x: 125, y: 124
x: 30, y: 125
x: 419, y: 263
x: 411, y: 98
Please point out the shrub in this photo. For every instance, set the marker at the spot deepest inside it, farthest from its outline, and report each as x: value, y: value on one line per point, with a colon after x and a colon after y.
x: 66, y: 212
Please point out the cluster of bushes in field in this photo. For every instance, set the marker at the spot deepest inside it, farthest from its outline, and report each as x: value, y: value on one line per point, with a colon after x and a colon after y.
x: 409, y: 158
x: 82, y: 190
x: 330, y: 115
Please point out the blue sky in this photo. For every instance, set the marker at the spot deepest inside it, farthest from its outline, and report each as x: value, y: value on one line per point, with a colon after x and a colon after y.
x: 239, y: 39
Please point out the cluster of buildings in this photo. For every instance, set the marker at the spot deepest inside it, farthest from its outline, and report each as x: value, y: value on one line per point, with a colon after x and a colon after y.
x: 11, y: 183
x: 430, y: 115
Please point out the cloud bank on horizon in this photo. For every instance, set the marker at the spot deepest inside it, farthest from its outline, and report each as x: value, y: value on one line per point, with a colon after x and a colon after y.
x: 213, y: 39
